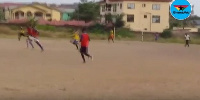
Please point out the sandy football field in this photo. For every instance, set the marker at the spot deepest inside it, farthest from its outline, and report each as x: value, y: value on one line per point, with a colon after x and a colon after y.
x: 121, y: 71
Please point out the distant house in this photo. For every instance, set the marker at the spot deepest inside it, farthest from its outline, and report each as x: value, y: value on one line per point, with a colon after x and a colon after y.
x: 31, y: 10
x: 5, y: 7
x: 67, y: 11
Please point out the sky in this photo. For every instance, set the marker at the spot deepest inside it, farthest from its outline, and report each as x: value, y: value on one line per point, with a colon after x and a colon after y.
x: 195, y: 2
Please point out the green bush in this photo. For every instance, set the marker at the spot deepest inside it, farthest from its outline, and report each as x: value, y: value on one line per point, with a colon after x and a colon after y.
x: 14, y: 27
x: 124, y: 33
x: 167, y: 33
x: 2, y: 16
x: 119, y: 21
x: 46, y: 27
x: 97, y: 29
x: 32, y: 22
x: 108, y: 17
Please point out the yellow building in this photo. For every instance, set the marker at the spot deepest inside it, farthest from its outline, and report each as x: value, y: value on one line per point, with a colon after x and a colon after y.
x: 139, y: 15
x: 33, y: 10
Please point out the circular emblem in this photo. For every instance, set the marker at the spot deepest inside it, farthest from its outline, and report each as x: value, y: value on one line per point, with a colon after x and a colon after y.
x: 180, y: 9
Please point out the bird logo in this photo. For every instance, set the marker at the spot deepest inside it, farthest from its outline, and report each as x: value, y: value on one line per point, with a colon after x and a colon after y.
x: 180, y: 7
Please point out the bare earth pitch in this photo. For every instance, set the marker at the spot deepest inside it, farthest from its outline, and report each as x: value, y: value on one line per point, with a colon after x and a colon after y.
x: 120, y: 71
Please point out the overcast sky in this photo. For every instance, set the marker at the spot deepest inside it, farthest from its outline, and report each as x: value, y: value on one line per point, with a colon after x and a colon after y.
x: 195, y: 2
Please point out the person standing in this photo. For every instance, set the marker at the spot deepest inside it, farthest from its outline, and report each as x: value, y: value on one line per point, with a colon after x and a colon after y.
x: 156, y: 36
x: 84, y: 45
x: 187, y: 39
x: 111, y: 36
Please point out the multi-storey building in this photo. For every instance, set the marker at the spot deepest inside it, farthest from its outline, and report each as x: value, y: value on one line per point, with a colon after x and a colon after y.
x: 139, y: 15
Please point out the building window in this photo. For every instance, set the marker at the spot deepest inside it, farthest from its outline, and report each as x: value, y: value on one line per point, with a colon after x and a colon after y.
x: 156, y: 6
x: 143, y: 5
x: 130, y: 18
x: 145, y: 16
x: 38, y: 14
x: 48, y: 15
x: 120, y: 5
x: 50, y: 19
x: 103, y: 8
x: 156, y: 19
x: 114, y: 7
x: 29, y: 14
x: 131, y: 6
x: 108, y: 6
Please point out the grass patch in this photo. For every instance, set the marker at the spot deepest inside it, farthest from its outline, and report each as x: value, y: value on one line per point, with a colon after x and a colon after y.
x: 46, y: 28
x: 124, y: 33
x: 98, y: 36
x: 96, y: 33
x: 171, y: 40
x: 14, y: 27
x: 195, y: 40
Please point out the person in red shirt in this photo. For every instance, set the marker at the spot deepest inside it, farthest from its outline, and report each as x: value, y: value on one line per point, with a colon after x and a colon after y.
x: 84, y: 45
x: 28, y: 40
x: 33, y: 36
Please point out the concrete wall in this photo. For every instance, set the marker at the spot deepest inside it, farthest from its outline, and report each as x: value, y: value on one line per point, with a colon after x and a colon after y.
x: 56, y: 15
x: 190, y: 29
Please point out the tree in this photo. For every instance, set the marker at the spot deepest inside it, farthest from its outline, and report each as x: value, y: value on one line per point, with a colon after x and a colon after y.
x: 194, y: 18
x: 174, y: 23
x: 167, y: 33
x: 2, y: 17
x: 87, y: 11
x: 32, y: 22
x: 119, y: 21
x: 108, y: 17
x: 184, y: 23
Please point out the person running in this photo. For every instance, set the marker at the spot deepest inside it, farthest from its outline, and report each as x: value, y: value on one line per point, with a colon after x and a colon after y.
x: 84, y: 45
x: 22, y: 33
x: 187, y: 39
x: 28, y: 40
x: 111, y: 36
x: 76, y: 39
x: 33, y: 35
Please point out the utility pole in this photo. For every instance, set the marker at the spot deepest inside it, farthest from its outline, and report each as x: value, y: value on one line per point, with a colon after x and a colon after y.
x: 142, y: 36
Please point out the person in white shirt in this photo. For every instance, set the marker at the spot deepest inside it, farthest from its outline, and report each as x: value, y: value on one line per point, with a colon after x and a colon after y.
x: 187, y: 39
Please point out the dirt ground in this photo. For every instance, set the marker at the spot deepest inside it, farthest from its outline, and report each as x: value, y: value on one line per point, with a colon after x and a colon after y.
x: 120, y: 71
